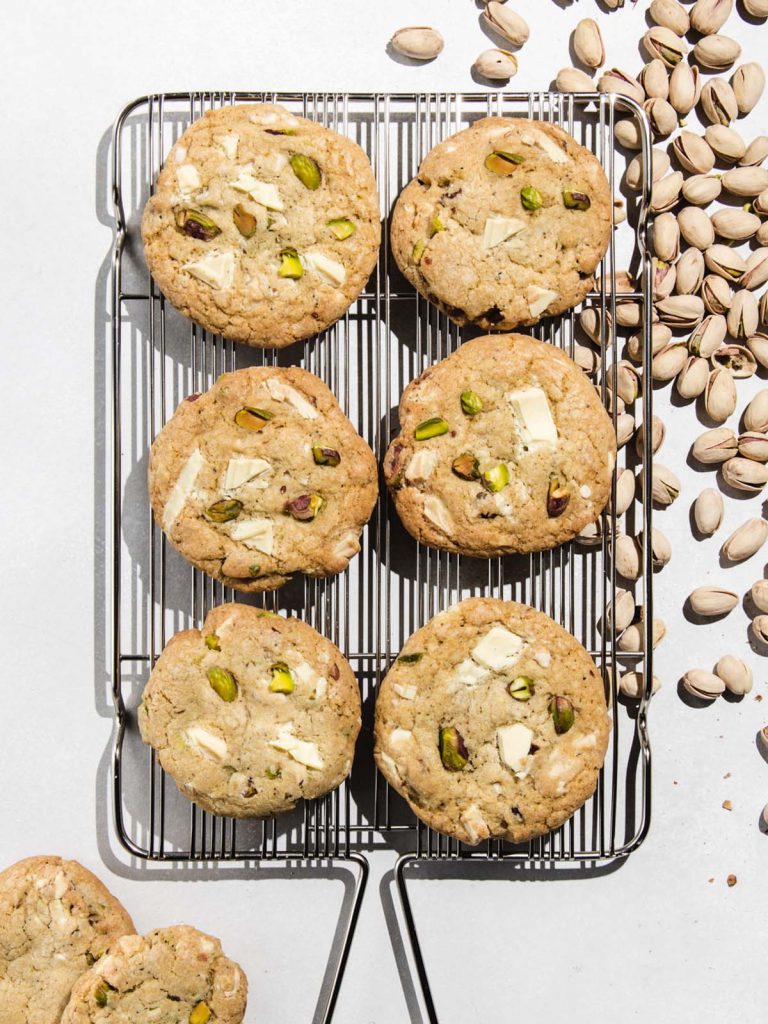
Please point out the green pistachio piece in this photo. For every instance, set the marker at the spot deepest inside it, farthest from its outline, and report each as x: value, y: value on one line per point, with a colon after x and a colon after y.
x: 410, y: 659
x: 325, y: 456
x: 306, y: 170
x: 453, y: 752
x: 195, y: 224
x: 521, y: 688
x: 576, y: 200
x: 558, y: 496
x: 222, y: 682
x: 418, y: 251
x: 280, y: 131
x: 496, y: 478
x: 274, y: 773
x: 435, y: 225
x: 254, y: 569
x: 101, y: 993
x: 503, y: 163
x: 212, y: 642
x: 561, y: 710
x: 244, y: 222
x: 282, y: 680
x: 200, y: 1014
x: 531, y: 198
x: 466, y: 466
x: 342, y: 227
x: 305, y: 507
x: 433, y: 427
x: 225, y: 510
x: 290, y: 265
x: 252, y: 419
x: 471, y: 403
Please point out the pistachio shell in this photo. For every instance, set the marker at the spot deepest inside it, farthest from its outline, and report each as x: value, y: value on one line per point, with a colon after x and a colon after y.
x: 760, y: 628
x: 735, y: 225
x: 715, y: 446
x: 701, y: 189
x: 661, y: 114
x: 763, y: 307
x: 616, y: 80
x: 629, y: 314
x: 759, y: 595
x: 692, y: 379
x: 735, y: 674
x: 666, y: 237
x: 708, y: 336
x: 684, y: 88
x: 708, y: 511
x: 716, y: 293
x: 690, y: 272
x: 693, y: 153
x: 756, y: 152
x: 586, y: 358
x: 756, y: 413
x: 506, y: 23
x: 666, y: 193
x: 743, y: 316
x: 754, y: 445
x: 757, y: 8
x: 658, y: 433
x: 632, y: 639
x: 661, y: 335
x: 624, y: 606
x: 627, y: 557
x: 716, y: 52
x: 696, y: 227
x: 588, y: 43
x: 655, y: 79
x: 574, y: 80
x: 725, y: 142
x: 718, y: 101
x: 745, y: 181
x: 737, y: 359
x: 671, y: 15
x: 723, y: 261
x: 758, y: 346
x: 748, y: 83
x: 632, y: 685
x: 745, y: 541
x: 665, y: 486
x: 760, y: 205
x: 720, y: 395
x: 681, y: 310
x: 660, y: 164
x: 664, y: 279
x: 596, y: 326
x: 712, y: 601
x: 625, y: 491
x: 709, y: 16
x: 625, y: 428
x: 661, y: 549
x: 662, y: 43
x: 419, y: 42
x: 703, y: 685
x: 668, y: 363
x: 745, y: 475
x: 626, y: 130
x: 498, y: 65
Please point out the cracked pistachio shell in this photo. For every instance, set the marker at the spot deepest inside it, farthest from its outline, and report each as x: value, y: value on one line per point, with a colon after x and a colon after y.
x: 681, y: 310
x: 760, y: 205
x: 715, y: 446
x: 745, y: 475
x: 718, y: 101
x: 625, y: 428
x: 757, y: 270
x: 661, y: 549
x: 665, y: 485
x: 692, y: 379
x: 632, y: 685
x: 625, y: 491
x: 654, y: 79
x: 696, y: 227
x: 575, y: 80
x: 660, y: 164
x: 626, y: 131
x: 620, y: 613
x: 759, y: 595
x: 760, y: 628
x: 664, y: 279
x: 702, y: 684
x: 720, y: 395
x: 702, y: 189
x: 629, y: 314
x: 708, y: 510
x: 712, y: 601
x: 709, y: 16
x: 661, y: 335
x: 735, y: 674
x: 745, y: 541
x: 693, y: 153
x: 725, y: 143
x: 716, y: 52
x: 666, y: 193
x: 756, y: 152
x: 670, y: 14
x: 716, y: 293
x: 667, y: 363
x: 616, y: 80
x: 497, y: 65
x: 684, y: 88
x: 754, y: 445
x: 663, y: 44
x: 627, y: 382
x: 748, y: 83
x: 586, y: 357
x: 506, y: 22
x: 758, y: 346
x: 661, y: 114
x: 737, y: 359
x: 743, y: 316
x: 747, y: 182
x: 632, y: 639
x: 588, y: 43
x: 658, y: 433
x: 627, y: 557
x: 596, y: 326
x: 419, y: 42
x: 735, y: 225
x: 725, y: 262
x: 708, y: 336
x: 756, y: 413
x: 690, y: 272
x: 757, y: 8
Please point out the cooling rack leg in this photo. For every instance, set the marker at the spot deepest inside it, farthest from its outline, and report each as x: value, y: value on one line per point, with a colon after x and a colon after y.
x: 346, y: 942
x: 402, y: 863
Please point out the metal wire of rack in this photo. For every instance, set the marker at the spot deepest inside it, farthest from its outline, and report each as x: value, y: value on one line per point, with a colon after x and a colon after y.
x: 387, y: 337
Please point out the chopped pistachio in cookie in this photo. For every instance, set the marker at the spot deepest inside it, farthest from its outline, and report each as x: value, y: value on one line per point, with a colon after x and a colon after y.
x: 504, y: 447
x: 252, y: 713
x: 263, y: 226
x: 262, y: 476
x: 174, y: 975
x: 492, y: 722
x: 504, y: 224
x: 56, y: 921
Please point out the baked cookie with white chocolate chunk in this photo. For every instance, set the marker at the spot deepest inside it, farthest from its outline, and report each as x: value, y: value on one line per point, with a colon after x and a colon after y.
x: 175, y: 975
x: 504, y: 447
x: 263, y: 226
x: 251, y: 713
x: 262, y: 476
x: 504, y: 224
x: 492, y: 722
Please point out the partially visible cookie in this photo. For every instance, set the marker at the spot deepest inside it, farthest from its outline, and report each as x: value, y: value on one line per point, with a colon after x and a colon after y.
x: 252, y: 713
x: 174, y: 975
x: 56, y: 921
x: 261, y: 477
x: 504, y: 224
x: 503, y: 447
x: 492, y: 722
x: 263, y: 226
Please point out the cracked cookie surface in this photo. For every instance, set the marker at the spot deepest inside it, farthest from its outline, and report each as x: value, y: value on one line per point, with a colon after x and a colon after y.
x: 56, y: 920
x: 504, y: 224
x: 262, y: 476
x: 263, y: 226
x: 466, y: 729
x: 174, y: 975
x: 252, y: 713
x: 503, y: 447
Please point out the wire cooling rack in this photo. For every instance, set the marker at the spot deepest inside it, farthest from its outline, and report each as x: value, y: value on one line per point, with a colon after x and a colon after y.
x: 388, y: 336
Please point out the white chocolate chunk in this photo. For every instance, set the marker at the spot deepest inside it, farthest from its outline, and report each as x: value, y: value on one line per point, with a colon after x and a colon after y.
x: 399, y: 736
x: 347, y: 546
x: 543, y: 658
x: 258, y: 534
x: 285, y: 393
x: 303, y: 751
x: 274, y: 162
x: 241, y: 470
x: 217, y: 269
x: 182, y: 489
x: 503, y: 504
x: 389, y: 764
x: 585, y: 491
x: 228, y: 143
x: 498, y: 649
x: 197, y: 736
x: 584, y: 742
x: 263, y: 192
x: 538, y: 299
x: 321, y: 687
x: 533, y: 416
x: 188, y: 179
x: 547, y: 145
x: 60, y: 885
x: 436, y: 512
x: 304, y: 674
x: 499, y: 229
x: 514, y: 745
x: 406, y: 692
x: 180, y: 154
x: 331, y: 270
x: 469, y: 673
x: 284, y: 120
x: 474, y: 823
x: 421, y: 466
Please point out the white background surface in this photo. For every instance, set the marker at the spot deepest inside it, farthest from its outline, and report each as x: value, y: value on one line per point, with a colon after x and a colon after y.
x: 654, y: 941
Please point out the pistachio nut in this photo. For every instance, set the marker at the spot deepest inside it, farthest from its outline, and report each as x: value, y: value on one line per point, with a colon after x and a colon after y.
x: 718, y: 101
x: 596, y: 326
x: 759, y: 595
x: 665, y: 45
x: 716, y: 293
x: 748, y: 83
x: 588, y: 43
x: 471, y: 403
x: 342, y: 228
x: 660, y: 164
x: 708, y: 336
x: 658, y: 433
x: 664, y: 279
x: 497, y: 65
x: 655, y: 80
x: 681, y: 311
x: 684, y: 88
x: 744, y: 315
x: 716, y: 52
x: 745, y: 181
x: 495, y: 478
x: 435, y: 426
x: 745, y: 541
x: 735, y: 674
x: 661, y: 549
x: 620, y: 613
x: 725, y: 143
x: 665, y: 486
x: 690, y: 272
x: 661, y: 335
x: 693, y: 153
x: 419, y: 42
x: 629, y: 314
x: 627, y: 382
x: 200, y: 1014
x: 723, y: 261
x: 757, y: 8
x: 282, y: 679
x: 735, y: 225
x: 290, y: 265
x: 760, y: 628
x: 522, y: 688
x: 626, y: 130
x: 453, y: 750
x: 625, y: 428
x: 619, y: 81
x: 632, y: 685
x: 756, y: 413
x: 561, y: 710
x: 708, y: 511
x: 745, y: 475
x: 222, y: 682
x: 306, y: 170
x: 225, y: 510
x: 530, y: 198
x: 250, y: 418
x: 627, y: 557
x: 665, y: 193
x: 710, y: 602
x: 756, y: 152
x: 305, y: 507
x: 702, y: 684
x: 196, y: 224
x: 760, y: 205
x: 612, y: 401
x: 615, y: 5
x: 737, y: 359
x: 696, y: 227
x: 667, y: 363
x: 720, y: 395
x: 586, y: 358
x: 758, y: 346
x: 671, y: 15
x: 715, y: 446
x: 245, y: 222
x: 506, y: 23
x: 574, y: 80
x: 754, y: 445
x: 702, y: 189
x: 692, y: 379
x: 466, y: 466
x: 709, y: 16
x: 661, y: 115
x: 625, y: 490
x: 325, y: 456
x: 622, y: 280
x: 632, y: 640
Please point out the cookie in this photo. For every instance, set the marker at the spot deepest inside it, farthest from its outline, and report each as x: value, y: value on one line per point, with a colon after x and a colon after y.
x: 56, y: 921
x: 263, y: 226
x: 504, y: 224
x: 252, y: 713
x: 492, y: 722
x: 174, y: 975
x: 261, y: 477
x: 503, y: 447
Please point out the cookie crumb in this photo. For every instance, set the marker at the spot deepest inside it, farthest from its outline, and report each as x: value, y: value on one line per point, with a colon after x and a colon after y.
x: 710, y: 880
x: 727, y: 805
x: 731, y: 880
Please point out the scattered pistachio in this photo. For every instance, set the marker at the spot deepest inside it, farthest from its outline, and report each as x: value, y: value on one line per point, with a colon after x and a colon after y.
x: 735, y: 674
x: 195, y: 224
x: 212, y: 642
x: 500, y: 162
x: 521, y: 688
x: 759, y: 595
x: 756, y: 152
x: 471, y: 403
x: 576, y: 200
x: 225, y: 510
x: 663, y: 44
x: 708, y: 511
x: 342, y: 227
x: 531, y: 198
x: 760, y: 629
x: 290, y: 265
x: 671, y: 15
x: 558, y: 496
x: 418, y: 251
x: 716, y: 52
x: 702, y: 684
x: 627, y: 557
x: 665, y: 486
x: 684, y: 88
x: 496, y: 64
x: 632, y: 685
x: 252, y: 419
x: 588, y: 43
x: 745, y: 475
x: 720, y: 395
x: 222, y: 683
x: 574, y: 80
x: 718, y: 101
x: 306, y: 170
x: 715, y: 446
x: 453, y: 752
x: 244, y: 221
x: 756, y: 413
x: 655, y: 80
x: 725, y: 262
x: 662, y: 115
x: 496, y: 478
x: 619, y: 81
x: 506, y: 22
x: 737, y: 359
x: 282, y: 679
x: 745, y: 541
x: 305, y: 507
x: 325, y: 456
x: 702, y: 189
x: 419, y: 42
x: 735, y: 225
x: 692, y: 379
x: 658, y: 433
x: 200, y: 1014
x: 709, y: 16
x: 690, y: 272
x: 693, y: 153
x: 433, y: 427
x: 466, y: 466
x: 561, y: 710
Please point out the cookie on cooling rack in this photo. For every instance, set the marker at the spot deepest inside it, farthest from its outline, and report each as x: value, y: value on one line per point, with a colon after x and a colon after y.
x: 262, y: 476
x: 504, y: 224
x: 263, y: 226
x: 503, y: 447
x: 56, y: 920
x: 252, y: 713
x: 174, y: 975
x: 492, y: 722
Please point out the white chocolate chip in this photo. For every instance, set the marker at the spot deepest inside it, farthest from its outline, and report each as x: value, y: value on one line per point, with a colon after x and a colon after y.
x: 538, y: 299
x: 421, y: 465
x: 514, y: 745
x: 533, y: 416
x: 303, y: 751
x: 182, y: 489
x: 263, y: 192
x: 469, y: 673
x: 498, y: 649
x: 547, y: 145
x: 399, y: 736
x: 474, y: 823
x: 216, y: 269
x: 228, y: 143
x: 188, y: 179
x: 241, y: 470
x: 543, y: 658
x: 197, y: 736
x: 282, y: 392
x: 258, y: 534
x: 331, y: 270
x: 585, y: 491
x: 499, y: 229
x: 347, y: 546
x: 436, y: 512
x: 180, y: 154
x: 406, y: 692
